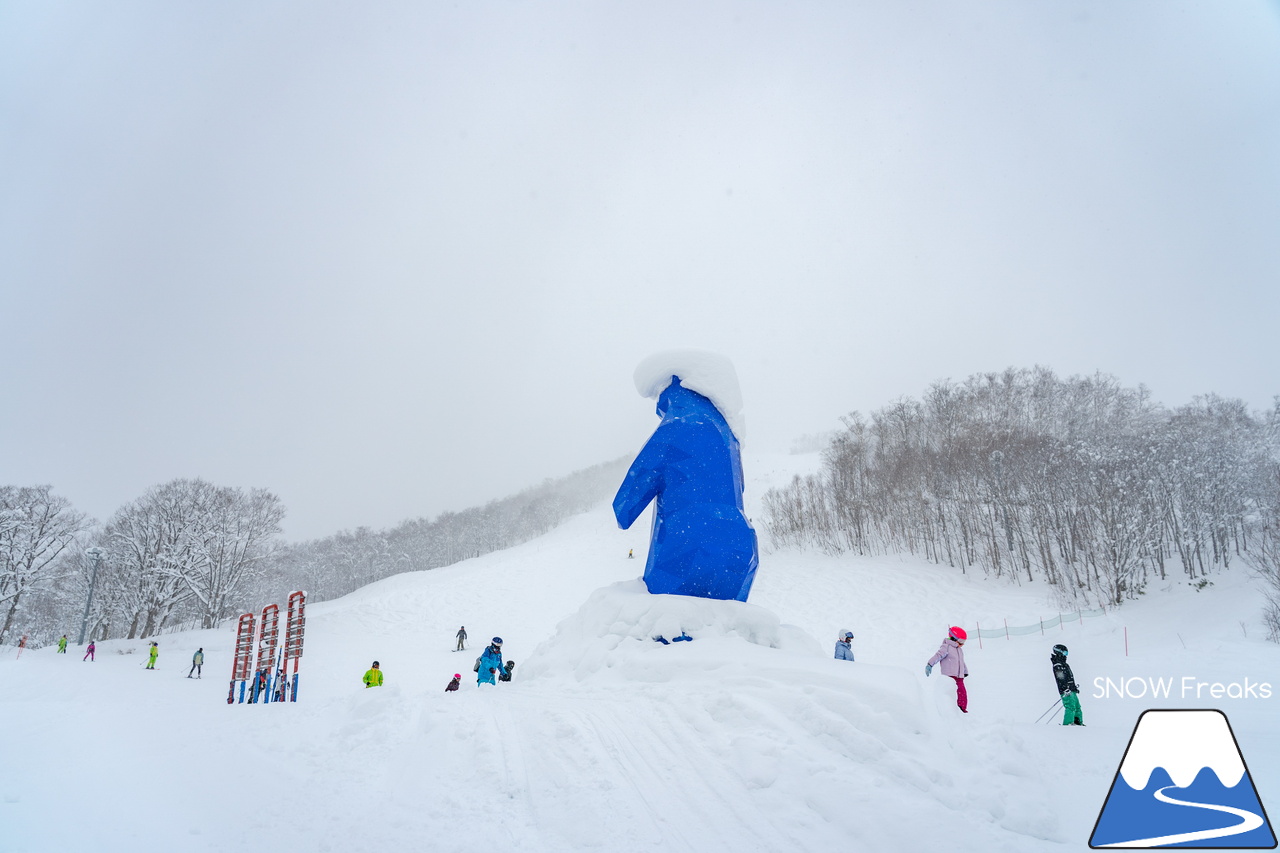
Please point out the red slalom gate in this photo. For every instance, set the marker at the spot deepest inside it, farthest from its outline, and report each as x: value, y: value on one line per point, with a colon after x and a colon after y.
x: 244, y: 656
x: 268, y: 640
x: 295, y: 624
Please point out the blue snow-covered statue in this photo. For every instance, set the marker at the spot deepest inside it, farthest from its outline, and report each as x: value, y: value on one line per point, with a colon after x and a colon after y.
x: 702, y: 543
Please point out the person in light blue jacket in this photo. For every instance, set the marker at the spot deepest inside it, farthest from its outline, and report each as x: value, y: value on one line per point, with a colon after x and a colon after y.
x: 844, y: 649
x: 490, y: 663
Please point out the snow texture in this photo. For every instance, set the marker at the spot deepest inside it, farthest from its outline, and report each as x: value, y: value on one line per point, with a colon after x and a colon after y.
x: 710, y: 374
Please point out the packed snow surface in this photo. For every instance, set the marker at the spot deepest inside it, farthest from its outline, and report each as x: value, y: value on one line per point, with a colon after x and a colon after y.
x: 751, y: 737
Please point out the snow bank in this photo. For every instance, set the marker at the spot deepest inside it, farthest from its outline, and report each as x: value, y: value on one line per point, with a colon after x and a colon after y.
x: 710, y: 374
x: 617, y: 625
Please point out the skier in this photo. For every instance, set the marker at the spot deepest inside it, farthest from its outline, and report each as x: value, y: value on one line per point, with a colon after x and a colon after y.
x: 88, y: 655
x: 505, y: 675
x: 1067, y: 688
x: 155, y: 653
x: 197, y: 661
x: 631, y: 553
x: 373, y: 678
x: 489, y: 663
x: 844, y: 651
x: 453, y: 685
x: 951, y: 655
x: 62, y: 645
x: 462, y: 638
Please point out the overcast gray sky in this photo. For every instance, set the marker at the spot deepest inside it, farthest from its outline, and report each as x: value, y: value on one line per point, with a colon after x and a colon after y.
x: 395, y: 258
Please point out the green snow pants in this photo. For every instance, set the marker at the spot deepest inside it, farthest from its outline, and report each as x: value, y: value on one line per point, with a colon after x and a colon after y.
x: 1071, y: 710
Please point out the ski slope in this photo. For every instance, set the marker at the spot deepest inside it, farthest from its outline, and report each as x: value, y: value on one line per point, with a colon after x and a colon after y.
x: 749, y: 738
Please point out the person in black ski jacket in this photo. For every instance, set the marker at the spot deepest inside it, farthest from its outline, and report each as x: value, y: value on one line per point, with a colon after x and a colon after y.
x: 505, y: 675
x: 453, y: 685
x: 1067, y: 688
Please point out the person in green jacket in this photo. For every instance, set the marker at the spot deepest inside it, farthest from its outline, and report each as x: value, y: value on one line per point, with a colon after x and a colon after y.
x: 62, y: 645
x: 155, y: 653
x: 373, y: 678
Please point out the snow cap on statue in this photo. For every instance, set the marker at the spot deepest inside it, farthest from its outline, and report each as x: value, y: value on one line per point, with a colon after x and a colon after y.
x: 709, y: 374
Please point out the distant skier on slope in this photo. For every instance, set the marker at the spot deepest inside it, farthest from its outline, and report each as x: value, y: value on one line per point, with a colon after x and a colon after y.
x: 951, y: 655
x: 155, y: 653
x: 373, y: 678
x: 197, y: 663
x: 462, y: 638
x: 62, y: 645
x: 453, y: 685
x: 88, y: 655
x: 844, y: 649
x: 490, y: 662
x: 1067, y: 688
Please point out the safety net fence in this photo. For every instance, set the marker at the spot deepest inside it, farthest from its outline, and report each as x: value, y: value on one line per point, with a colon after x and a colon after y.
x: 1007, y: 630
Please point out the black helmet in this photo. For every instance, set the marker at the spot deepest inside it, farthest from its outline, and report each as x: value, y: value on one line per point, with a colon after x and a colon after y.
x: 375, y: 663
x: 1060, y: 650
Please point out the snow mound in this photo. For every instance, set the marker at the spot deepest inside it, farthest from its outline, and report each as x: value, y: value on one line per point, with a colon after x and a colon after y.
x: 617, y: 625
x: 710, y: 374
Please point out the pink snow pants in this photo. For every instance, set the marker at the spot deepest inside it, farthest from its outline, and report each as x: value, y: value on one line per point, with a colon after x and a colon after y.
x: 962, y: 695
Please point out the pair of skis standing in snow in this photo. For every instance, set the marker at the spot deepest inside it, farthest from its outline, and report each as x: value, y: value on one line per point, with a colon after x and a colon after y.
x: 950, y: 657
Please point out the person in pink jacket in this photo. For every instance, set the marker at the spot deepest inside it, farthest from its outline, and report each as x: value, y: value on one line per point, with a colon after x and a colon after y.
x: 951, y: 657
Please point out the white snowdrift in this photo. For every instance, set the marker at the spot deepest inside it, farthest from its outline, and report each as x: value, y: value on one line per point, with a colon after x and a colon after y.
x: 617, y: 625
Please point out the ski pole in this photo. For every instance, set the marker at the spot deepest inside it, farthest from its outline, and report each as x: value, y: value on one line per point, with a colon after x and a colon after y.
x: 1051, y: 707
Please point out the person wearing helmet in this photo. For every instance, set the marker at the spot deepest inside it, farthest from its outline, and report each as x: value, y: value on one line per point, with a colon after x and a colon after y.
x: 1067, y: 688
x: 951, y: 657
x: 453, y: 685
x: 155, y: 653
x: 373, y: 678
x: 505, y: 674
x: 844, y: 651
x: 490, y: 663
x: 462, y: 638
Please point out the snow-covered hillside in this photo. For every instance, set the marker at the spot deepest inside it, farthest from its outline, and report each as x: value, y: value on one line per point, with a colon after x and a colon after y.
x: 749, y: 738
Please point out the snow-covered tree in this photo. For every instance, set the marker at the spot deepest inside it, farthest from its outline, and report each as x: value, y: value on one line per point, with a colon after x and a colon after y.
x: 36, y: 528
x: 187, y: 542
